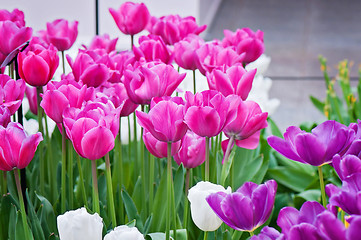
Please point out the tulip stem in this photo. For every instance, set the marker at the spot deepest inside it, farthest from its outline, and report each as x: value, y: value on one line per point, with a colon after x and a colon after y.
x: 63, y: 58
x: 40, y: 121
x: 194, y: 82
x: 96, y: 207
x: 205, y: 235
x: 120, y: 173
x: 129, y: 140
x: 70, y: 173
x: 169, y: 188
x: 228, y: 150
x: 143, y: 162
x: 151, y: 181
x: 251, y: 233
x: 22, y: 205
x: 81, y: 181
x: 52, y: 170
x: 206, y: 178
x: 110, y: 190
x: 186, y: 204
x: 135, y: 146
x: 63, y: 170
x: 4, y: 187
x: 322, y: 186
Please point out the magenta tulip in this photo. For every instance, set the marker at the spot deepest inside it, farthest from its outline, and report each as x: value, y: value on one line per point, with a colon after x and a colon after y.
x: 131, y: 18
x: 16, y: 147
x: 144, y: 83
x: 208, y: 112
x: 158, y: 148
x: 11, y: 92
x: 93, y: 128
x: 122, y: 60
x: 38, y: 65
x: 212, y: 55
x: 232, y: 80
x: 15, y: 16
x: 103, y: 42
x: 192, y: 151
x: 185, y: 51
x: 32, y: 97
x: 4, y: 116
x: 245, y: 41
x: 245, y: 128
x: 347, y: 165
x: 173, y: 28
x: 12, y: 36
x: 62, y: 34
x: 152, y: 48
x: 165, y: 121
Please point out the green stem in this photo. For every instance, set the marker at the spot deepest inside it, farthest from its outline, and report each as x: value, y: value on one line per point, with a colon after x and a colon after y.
x: 186, y: 204
x: 236, y: 235
x: 343, y: 216
x: 110, y: 190
x: 174, y: 213
x: 81, y: 181
x: 22, y: 205
x: 4, y: 187
x: 206, y: 178
x: 194, y: 82
x: 129, y: 140
x: 135, y: 146
x: 228, y: 150
x: 52, y: 169
x: 120, y: 172
x: 70, y: 173
x: 251, y: 233
x: 151, y: 181
x: 40, y: 146
x: 143, y: 169
x: 169, y: 188
x: 322, y: 186
x: 63, y: 170
x: 205, y: 236
x: 96, y: 207
x: 63, y: 58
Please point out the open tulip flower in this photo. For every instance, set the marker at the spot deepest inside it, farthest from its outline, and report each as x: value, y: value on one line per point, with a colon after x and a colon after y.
x: 185, y: 51
x: 16, y: 147
x: 131, y: 18
x: 347, y: 165
x: 15, y: 16
x: 62, y: 34
x: 247, y: 208
x: 316, y: 148
x: 12, y: 36
x: 152, y: 48
x: 11, y: 92
x: 103, y: 42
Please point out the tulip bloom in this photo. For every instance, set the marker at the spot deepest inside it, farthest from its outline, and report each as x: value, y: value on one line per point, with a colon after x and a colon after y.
x: 245, y: 41
x: 12, y: 36
x: 4, y: 116
x: 185, y: 51
x: 247, y: 208
x: 15, y: 16
x: 152, y: 48
x: 316, y: 148
x: 125, y: 233
x: 93, y: 128
x: 62, y: 34
x: 17, y: 148
x: 173, y: 28
x: 347, y: 165
x: 79, y: 224
x: 208, y: 112
x: 269, y: 233
x: 103, y: 42
x: 192, y: 151
x: 131, y: 18
x: 203, y: 216
x: 159, y: 148
x: 232, y: 80
x: 165, y: 121
x: 144, y: 83
x: 38, y: 65
x: 11, y: 92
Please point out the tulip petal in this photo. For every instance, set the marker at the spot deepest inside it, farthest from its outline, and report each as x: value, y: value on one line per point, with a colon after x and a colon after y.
x: 97, y: 142
x: 303, y: 231
x: 287, y: 218
x: 204, y: 121
x: 36, y: 70
x: 310, y: 149
x: 28, y: 149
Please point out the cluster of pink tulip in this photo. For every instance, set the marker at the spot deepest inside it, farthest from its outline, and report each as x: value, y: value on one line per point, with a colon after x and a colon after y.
x: 105, y: 85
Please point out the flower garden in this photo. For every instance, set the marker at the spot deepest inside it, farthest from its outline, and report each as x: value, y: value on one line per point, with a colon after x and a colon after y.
x: 187, y: 163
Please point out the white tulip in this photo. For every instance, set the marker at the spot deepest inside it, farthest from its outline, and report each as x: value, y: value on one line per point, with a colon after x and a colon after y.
x: 124, y: 233
x: 202, y: 214
x: 261, y: 64
x: 80, y: 225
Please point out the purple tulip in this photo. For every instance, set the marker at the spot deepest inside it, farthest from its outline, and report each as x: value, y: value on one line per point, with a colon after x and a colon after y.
x: 247, y: 208
x: 269, y: 233
x: 347, y: 165
x: 316, y: 148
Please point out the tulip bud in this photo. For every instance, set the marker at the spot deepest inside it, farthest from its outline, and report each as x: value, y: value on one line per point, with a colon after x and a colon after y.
x: 125, y: 233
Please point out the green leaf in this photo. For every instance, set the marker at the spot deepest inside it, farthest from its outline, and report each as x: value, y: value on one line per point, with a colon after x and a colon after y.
x: 318, y: 104
x: 131, y: 210
x: 159, y: 208
x: 47, y: 216
x: 226, y: 168
x: 308, y: 195
x: 5, y: 207
x: 274, y: 128
x: 34, y: 221
x: 178, y: 185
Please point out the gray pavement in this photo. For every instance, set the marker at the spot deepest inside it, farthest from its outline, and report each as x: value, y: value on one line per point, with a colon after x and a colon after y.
x: 295, y: 33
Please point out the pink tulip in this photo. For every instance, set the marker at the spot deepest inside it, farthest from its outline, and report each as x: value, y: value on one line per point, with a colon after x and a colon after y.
x: 152, y: 48
x: 60, y: 95
x: 117, y: 93
x: 131, y: 18
x: 38, y: 65
x: 192, y: 151
x: 159, y: 148
x: 245, y: 128
x: 15, y: 16
x: 165, y: 120
x: 62, y: 34
x: 173, y: 28
x: 143, y: 83
x: 122, y: 60
x: 232, y: 80
x: 245, y: 41
x: 16, y: 147
x: 93, y: 128
x: 185, y: 51
x: 4, y: 116
x: 211, y: 56
x: 103, y: 42
x: 32, y: 97
x: 11, y: 92
x: 208, y: 112
x: 90, y: 68
x: 12, y: 36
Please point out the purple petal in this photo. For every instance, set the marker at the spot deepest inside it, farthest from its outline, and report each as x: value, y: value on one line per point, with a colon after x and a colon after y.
x: 310, y: 149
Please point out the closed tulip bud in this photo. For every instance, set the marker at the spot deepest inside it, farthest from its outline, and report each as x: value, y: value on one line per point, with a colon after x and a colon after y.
x: 124, y: 233
x: 62, y: 34
x: 192, y: 151
x: 79, y: 224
